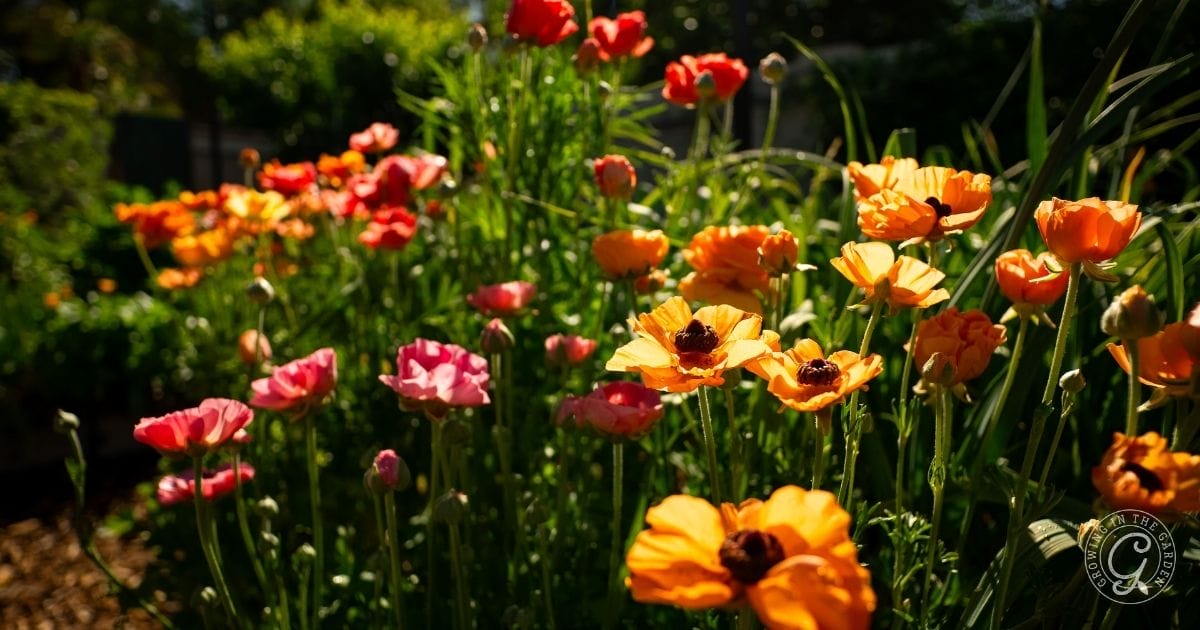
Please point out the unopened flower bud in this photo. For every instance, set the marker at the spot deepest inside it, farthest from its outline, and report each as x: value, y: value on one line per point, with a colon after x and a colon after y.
x: 450, y: 508
x: 268, y: 540
x: 706, y: 85
x: 341, y: 580
x: 1072, y: 382
x: 772, y: 68
x: 496, y: 337
x: 447, y: 188
x: 267, y: 507
x: 477, y: 37
x: 388, y: 473
x: 1085, y: 530
x: 733, y: 378
x: 305, y: 554
x: 260, y: 291
x: 604, y: 90
x: 65, y: 422
x: 938, y: 370
x: 1133, y: 315
x: 253, y: 347
x: 778, y: 253
x: 249, y: 158
x: 587, y: 58
x: 208, y: 596
x: 455, y: 432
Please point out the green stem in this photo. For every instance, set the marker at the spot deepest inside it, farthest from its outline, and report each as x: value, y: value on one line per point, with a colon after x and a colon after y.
x: 905, y: 428
x: 503, y: 437
x: 736, y: 469
x: 937, y: 483
x: 435, y: 445
x: 854, y: 435
x: 382, y: 529
x: 205, y: 527
x: 1135, y: 388
x: 818, y: 454
x: 614, y: 558
x: 547, y: 579
x: 1068, y: 409
x: 314, y: 494
x: 393, y: 545
x: 144, y: 256
x: 244, y: 525
x: 1064, y: 327
x: 460, y: 586
x: 710, y: 446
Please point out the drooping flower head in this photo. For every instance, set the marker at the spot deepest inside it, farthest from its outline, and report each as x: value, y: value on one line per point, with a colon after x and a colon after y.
x: 1164, y: 363
x: 377, y: 138
x: 804, y: 379
x: 727, y: 269
x: 176, y: 489
x: 901, y: 283
x: 567, y: 350
x: 790, y: 558
x: 618, y: 410
x: 542, y: 22
x: 624, y: 254
x: 1140, y: 473
x: 727, y: 76
x: 298, y: 386
x: 926, y: 205
x: 679, y: 351
x: 504, y: 299
x: 869, y: 179
x: 615, y: 176
x: 624, y: 36
x: 197, y: 431
x: 965, y: 340
x: 434, y: 377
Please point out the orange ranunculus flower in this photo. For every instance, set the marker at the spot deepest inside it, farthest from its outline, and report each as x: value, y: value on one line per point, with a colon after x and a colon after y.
x: 904, y: 282
x: 1163, y: 362
x: 727, y: 74
x: 1025, y: 279
x: 650, y: 283
x: 1189, y: 335
x: 727, y: 269
x: 869, y: 179
x: 789, y: 557
x: 202, y: 200
x: 624, y: 254
x: 804, y: 379
x: 172, y: 278
x: 1088, y: 230
x: 679, y: 351
x: 966, y: 340
x: 778, y: 252
x: 1140, y: 473
x: 158, y: 222
x: 336, y: 169
x: 925, y: 205
x: 204, y: 248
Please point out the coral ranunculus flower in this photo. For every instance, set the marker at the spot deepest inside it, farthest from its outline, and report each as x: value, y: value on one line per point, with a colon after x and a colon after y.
x: 254, y: 348
x: 298, y: 386
x: 618, y: 410
x: 543, y: 22
x: 904, y: 282
x: 926, y: 205
x: 205, y: 248
x: 790, y: 557
x: 175, y: 489
x: 615, y: 176
x: 506, y: 298
x: 869, y: 179
x: 390, y: 228
x: 778, y: 252
x: 1025, y: 279
x: 173, y: 278
x: 568, y: 349
x: 966, y: 340
x: 727, y: 269
x: 1088, y: 230
x: 377, y: 138
x: 624, y: 36
x: 156, y: 223
x: 728, y: 76
x: 1139, y: 473
x: 433, y: 377
x: 196, y: 431
x: 1164, y: 362
x: 679, y: 351
x: 624, y: 254
x: 287, y: 179
x: 804, y: 379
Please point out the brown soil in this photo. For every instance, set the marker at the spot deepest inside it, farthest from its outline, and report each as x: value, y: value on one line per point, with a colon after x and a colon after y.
x: 46, y: 581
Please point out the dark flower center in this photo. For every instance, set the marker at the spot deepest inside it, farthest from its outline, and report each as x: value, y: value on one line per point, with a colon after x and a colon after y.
x: 1146, y: 478
x: 749, y: 554
x: 942, y: 209
x: 818, y: 373
x: 696, y: 337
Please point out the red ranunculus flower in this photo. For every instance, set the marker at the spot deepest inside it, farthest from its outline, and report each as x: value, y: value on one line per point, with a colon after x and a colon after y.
x: 299, y: 385
x: 196, y: 431
x: 288, y: 179
x: 544, y: 22
x: 377, y: 138
x: 624, y: 36
x: 568, y: 349
x: 181, y: 488
x: 503, y: 299
x: 618, y: 410
x: 390, y: 228
x: 615, y: 176
x: 728, y: 74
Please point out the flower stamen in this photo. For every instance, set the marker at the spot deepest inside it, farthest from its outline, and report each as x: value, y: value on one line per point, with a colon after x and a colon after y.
x: 1146, y: 477
x: 943, y: 210
x: 696, y: 337
x: 749, y: 554
x: 818, y: 373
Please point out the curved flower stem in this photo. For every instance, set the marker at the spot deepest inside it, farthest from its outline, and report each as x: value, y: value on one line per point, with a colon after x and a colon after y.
x: 710, y: 445
x: 144, y: 256
x: 614, y: 558
x: 854, y: 435
x: 736, y: 469
x: 244, y: 526
x: 937, y: 482
x: 1017, y: 518
x: 206, y: 528
x: 393, y: 545
x: 1135, y: 387
x: 314, y: 493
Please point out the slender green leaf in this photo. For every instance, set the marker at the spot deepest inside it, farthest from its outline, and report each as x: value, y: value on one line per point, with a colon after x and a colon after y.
x: 1174, y: 270
x: 1035, y: 103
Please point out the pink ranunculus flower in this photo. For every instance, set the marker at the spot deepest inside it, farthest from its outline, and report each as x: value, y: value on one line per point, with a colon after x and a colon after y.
x: 197, y: 431
x: 568, y: 349
x: 173, y: 489
x: 299, y: 385
x: 377, y: 138
x: 507, y: 298
x: 619, y: 410
x: 433, y: 377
